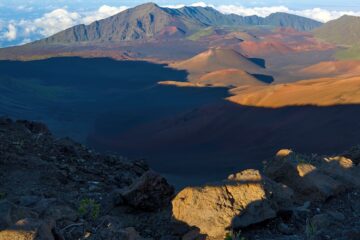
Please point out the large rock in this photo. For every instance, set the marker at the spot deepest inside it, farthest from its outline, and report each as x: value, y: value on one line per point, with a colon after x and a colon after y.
x: 302, y: 174
x: 245, y: 198
x: 150, y: 192
x: 353, y: 154
x: 29, y: 229
x: 342, y: 169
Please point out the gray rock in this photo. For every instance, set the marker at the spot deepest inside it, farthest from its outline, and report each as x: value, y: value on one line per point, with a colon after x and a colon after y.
x: 300, y: 174
x: 149, y: 192
x: 342, y: 169
x: 285, y: 229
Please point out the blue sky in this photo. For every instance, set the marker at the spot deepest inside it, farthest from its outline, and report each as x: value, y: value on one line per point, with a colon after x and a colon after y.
x: 93, y: 4
x: 22, y: 21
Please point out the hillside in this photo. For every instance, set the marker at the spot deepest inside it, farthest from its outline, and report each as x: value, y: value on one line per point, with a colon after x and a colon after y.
x: 150, y: 21
x: 333, y: 68
x: 286, y: 20
x: 229, y: 77
x: 68, y: 191
x: 141, y: 22
x: 216, y: 59
x: 342, y: 31
x: 265, y: 47
x: 221, y: 67
x: 318, y: 92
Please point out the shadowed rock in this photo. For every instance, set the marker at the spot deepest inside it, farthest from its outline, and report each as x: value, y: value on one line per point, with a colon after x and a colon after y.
x: 150, y: 192
x: 314, y: 177
x: 299, y: 173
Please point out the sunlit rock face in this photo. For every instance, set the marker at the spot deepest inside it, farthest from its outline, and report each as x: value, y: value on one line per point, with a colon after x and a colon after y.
x: 244, y: 199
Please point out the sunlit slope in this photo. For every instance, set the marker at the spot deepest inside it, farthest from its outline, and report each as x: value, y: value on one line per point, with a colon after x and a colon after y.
x: 333, y: 68
x: 230, y: 77
x: 318, y: 92
x: 221, y: 67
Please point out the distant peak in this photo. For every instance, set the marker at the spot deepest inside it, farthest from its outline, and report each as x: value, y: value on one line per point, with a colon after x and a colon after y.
x: 149, y: 5
x: 284, y: 14
x: 200, y: 7
x: 345, y: 16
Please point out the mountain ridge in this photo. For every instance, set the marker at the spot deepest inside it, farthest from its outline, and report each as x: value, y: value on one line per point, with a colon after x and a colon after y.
x: 343, y: 31
x: 149, y: 21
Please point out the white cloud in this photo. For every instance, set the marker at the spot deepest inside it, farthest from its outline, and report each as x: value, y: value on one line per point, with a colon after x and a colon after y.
x: 11, y: 32
x: 174, y: 6
x: 25, y: 8
x: 318, y: 14
x: 51, y: 23
x: 54, y: 21
x: 26, y: 40
x: 103, y: 12
x: 200, y: 4
x: 244, y: 11
x: 196, y: 4
x: 323, y: 15
x: 61, y: 19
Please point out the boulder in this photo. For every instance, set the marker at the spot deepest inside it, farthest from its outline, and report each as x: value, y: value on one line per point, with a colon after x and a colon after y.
x: 245, y: 198
x: 353, y: 154
x: 149, y: 192
x: 303, y: 176
x: 29, y: 229
x: 342, y: 169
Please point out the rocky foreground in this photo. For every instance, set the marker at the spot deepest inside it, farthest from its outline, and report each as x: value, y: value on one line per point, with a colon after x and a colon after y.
x: 57, y: 189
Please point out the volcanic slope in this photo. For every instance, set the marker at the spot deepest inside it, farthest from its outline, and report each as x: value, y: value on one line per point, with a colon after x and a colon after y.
x: 229, y: 77
x: 333, y: 68
x: 221, y: 67
x: 318, y: 92
x: 342, y: 31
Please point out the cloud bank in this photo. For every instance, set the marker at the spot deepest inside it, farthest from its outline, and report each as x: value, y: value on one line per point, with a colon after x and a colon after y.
x: 22, y: 31
x: 11, y: 32
x: 319, y: 14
